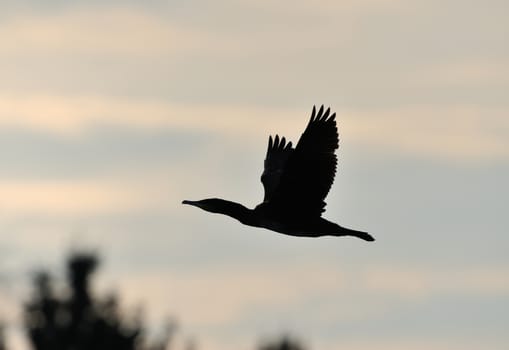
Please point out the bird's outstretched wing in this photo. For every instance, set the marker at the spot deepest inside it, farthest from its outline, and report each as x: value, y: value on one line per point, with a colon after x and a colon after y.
x: 310, y: 169
x: 278, y: 152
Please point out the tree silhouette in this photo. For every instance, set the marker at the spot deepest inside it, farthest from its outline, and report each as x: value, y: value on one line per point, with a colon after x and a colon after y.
x: 286, y: 343
x: 76, y: 319
x: 79, y: 320
x: 2, y: 338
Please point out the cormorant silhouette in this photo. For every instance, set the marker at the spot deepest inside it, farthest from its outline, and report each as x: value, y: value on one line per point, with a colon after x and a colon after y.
x: 296, y: 182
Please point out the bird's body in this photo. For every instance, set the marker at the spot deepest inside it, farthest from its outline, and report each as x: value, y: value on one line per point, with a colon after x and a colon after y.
x: 296, y: 182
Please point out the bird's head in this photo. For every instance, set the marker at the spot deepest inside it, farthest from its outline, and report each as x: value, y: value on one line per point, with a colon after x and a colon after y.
x: 221, y: 206
x: 212, y: 205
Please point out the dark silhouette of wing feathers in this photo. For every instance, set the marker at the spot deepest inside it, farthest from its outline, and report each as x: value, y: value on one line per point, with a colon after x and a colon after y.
x: 310, y: 169
x: 278, y: 152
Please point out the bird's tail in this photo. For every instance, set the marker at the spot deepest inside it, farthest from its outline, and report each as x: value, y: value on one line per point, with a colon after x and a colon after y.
x: 359, y: 234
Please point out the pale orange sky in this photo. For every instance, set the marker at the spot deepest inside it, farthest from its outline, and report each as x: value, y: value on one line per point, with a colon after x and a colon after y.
x: 112, y: 112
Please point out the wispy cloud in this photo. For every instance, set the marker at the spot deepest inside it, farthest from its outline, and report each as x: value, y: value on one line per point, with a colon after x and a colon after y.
x: 145, y: 31
x: 230, y: 292
x: 78, y: 197
x: 217, y: 298
x: 405, y: 343
x: 138, y: 32
x: 77, y: 114
x: 463, y: 74
x: 460, y: 132
x: 428, y: 283
x: 101, y: 31
x: 234, y: 292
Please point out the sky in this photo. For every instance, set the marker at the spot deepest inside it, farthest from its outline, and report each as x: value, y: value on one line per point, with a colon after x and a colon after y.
x: 112, y: 112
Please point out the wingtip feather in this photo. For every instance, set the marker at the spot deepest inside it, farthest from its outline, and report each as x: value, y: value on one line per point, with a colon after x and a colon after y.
x: 326, y: 114
x: 320, y: 113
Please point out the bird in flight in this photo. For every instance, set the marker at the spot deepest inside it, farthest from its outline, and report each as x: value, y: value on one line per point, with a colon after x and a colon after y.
x: 296, y: 182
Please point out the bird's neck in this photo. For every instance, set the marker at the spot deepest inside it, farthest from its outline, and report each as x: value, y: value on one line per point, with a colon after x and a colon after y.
x: 236, y: 211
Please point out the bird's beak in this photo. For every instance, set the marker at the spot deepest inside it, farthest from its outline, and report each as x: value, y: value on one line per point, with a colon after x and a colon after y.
x: 198, y: 204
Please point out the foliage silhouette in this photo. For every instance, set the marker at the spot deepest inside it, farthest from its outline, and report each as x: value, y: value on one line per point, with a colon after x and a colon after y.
x: 80, y: 320
x: 286, y: 343
x: 2, y: 337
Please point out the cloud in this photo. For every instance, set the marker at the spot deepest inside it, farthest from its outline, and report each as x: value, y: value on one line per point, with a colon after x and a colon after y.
x: 102, y: 31
x: 213, y: 300
x: 421, y: 283
x: 71, y: 198
x: 211, y: 30
x: 461, y: 132
x: 465, y: 73
x: 124, y: 32
x: 327, y: 7
x: 8, y: 306
x: 234, y: 293
x: 72, y: 115
x: 229, y: 292
x: 405, y: 343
